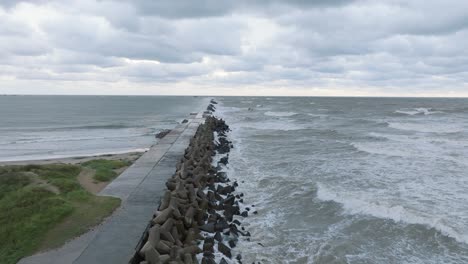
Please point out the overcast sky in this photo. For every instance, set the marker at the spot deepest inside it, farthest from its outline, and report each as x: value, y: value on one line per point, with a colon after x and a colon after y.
x: 251, y: 47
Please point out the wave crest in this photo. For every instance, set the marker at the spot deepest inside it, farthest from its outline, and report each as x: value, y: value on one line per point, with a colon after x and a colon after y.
x: 427, y: 127
x: 280, y: 114
x: 396, y: 213
x: 418, y: 111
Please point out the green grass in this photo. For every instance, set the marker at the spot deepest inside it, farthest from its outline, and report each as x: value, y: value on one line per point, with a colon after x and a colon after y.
x: 84, y: 216
x: 105, y: 168
x: 32, y: 217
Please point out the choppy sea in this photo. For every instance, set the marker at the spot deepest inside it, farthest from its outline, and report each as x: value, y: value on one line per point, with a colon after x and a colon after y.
x: 351, y: 180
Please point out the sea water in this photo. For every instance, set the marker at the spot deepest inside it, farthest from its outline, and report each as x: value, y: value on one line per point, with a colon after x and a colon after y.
x: 351, y: 180
x: 45, y: 127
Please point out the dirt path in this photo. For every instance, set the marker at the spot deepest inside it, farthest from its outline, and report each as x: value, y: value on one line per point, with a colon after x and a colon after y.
x: 85, y: 178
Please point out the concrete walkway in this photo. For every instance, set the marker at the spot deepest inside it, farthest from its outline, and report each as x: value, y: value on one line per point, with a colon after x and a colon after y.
x: 140, y: 188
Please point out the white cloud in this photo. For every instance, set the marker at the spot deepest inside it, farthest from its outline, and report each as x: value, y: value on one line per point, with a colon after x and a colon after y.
x: 297, y: 47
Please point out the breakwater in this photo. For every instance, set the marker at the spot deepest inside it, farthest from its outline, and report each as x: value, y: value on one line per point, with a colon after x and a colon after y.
x: 195, y: 220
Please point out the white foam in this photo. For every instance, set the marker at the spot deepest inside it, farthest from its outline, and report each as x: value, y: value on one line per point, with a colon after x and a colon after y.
x: 268, y: 125
x: 418, y: 111
x: 72, y: 138
x: 397, y: 213
x: 374, y: 148
x: 280, y: 114
x: 432, y: 127
x: 321, y: 116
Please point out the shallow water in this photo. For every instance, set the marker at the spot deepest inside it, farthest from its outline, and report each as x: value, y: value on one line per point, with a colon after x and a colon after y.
x: 352, y: 180
x: 41, y: 127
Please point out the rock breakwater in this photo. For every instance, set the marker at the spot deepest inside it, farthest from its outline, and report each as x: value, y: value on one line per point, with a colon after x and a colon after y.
x: 195, y: 221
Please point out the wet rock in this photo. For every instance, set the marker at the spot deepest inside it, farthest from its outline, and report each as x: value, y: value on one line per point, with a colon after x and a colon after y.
x: 232, y: 243
x: 225, y: 190
x: 208, y: 260
x: 208, y: 247
x: 218, y: 237
x: 224, y: 249
x: 224, y: 160
x: 162, y: 133
x: 211, y: 108
x: 229, y: 200
x: 221, y: 225
x: 209, y: 227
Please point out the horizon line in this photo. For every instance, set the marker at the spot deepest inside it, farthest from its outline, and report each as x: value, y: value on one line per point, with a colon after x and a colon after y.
x: 195, y: 95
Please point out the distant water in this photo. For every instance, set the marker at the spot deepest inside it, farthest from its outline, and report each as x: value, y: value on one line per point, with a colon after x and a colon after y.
x: 352, y: 180
x: 41, y: 127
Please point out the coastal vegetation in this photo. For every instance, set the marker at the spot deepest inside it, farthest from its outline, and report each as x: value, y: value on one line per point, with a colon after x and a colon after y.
x: 105, y: 169
x: 43, y: 206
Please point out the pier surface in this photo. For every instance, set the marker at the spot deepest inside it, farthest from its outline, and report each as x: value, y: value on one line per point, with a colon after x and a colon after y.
x: 140, y: 188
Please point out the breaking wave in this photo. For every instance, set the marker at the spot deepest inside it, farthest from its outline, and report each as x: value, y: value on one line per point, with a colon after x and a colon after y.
x: 396, y: 213
x: 427, y: 127
x: 418, y: 111
x: 280, y: 114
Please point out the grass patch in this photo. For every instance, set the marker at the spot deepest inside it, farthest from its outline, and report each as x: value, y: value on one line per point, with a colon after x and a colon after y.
x: 32, y: 217
x: 84, y: 216
x: 105, y: 169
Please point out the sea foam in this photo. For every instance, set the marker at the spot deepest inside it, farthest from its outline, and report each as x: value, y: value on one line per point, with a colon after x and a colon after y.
x: 418, y: 111
x: 280, y: 114
x: 397, y: 213
x: 426, y: 127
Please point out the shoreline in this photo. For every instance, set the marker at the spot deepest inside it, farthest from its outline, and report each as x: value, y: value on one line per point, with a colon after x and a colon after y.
x: 131, y: 155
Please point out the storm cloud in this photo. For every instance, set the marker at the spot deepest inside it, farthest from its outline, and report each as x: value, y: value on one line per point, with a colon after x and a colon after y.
x: 334, y: 47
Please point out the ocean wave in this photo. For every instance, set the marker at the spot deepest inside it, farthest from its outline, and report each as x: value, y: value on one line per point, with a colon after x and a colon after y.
x: 378, y: 149
x: 66, y: 128
x: 68, y: 139
x: 280, y: 114
x: 109, y: 126
x: 284, y: 126
x: 396, y: 213
x: 408, y: 139
x: 321, y: 116
x: 418, y: 111
x: 427, y: 127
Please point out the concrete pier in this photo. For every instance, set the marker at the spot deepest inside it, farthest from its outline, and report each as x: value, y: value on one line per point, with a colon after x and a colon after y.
x: 140, y: 188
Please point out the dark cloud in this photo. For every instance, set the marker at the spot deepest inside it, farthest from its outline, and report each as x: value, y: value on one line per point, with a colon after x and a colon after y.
x: 209, y: 8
